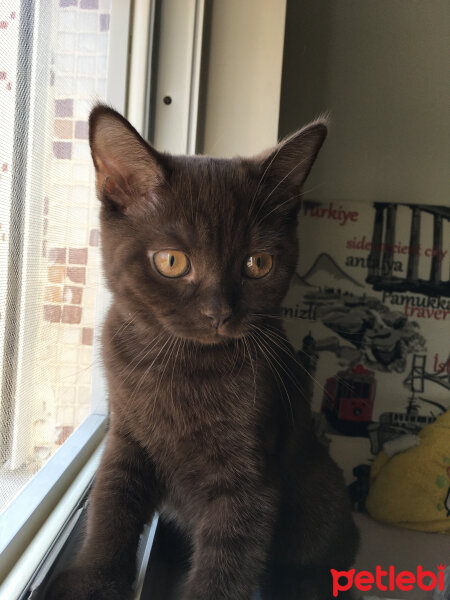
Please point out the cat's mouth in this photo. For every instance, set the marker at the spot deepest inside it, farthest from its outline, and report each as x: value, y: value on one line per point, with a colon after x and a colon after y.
x: 213, y: 336
x: 210, y: 338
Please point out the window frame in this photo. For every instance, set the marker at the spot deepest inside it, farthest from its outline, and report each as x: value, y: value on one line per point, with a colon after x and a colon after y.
x: 26, y: 513
x: 23, y: 517
x: 137, y: 58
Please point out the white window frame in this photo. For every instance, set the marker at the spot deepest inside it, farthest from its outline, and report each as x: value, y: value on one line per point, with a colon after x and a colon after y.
x: 178, y: 75
x: 29, y: 524
x: 22, y: 518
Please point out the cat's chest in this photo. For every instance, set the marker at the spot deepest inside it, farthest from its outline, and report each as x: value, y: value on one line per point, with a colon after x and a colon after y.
x: 180, y: 406
x: 194, y: 423
x: 179, y: 397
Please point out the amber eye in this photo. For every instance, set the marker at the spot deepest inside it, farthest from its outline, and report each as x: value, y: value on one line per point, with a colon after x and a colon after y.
x: 171, y: 263
x: 257, y: 265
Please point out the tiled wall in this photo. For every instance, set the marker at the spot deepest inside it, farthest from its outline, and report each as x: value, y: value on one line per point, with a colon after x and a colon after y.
x: 52, y: 395
x: 70, y: 228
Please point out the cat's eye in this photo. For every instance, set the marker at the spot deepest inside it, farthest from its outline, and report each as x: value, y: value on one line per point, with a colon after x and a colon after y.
x: 257, y: 265
x: 171, y: 263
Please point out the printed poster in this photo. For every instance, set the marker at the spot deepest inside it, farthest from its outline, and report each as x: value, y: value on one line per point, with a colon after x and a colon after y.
x: 370, y: 306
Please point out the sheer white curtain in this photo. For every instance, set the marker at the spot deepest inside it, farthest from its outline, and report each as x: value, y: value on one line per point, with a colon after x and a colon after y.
x: 53, y: 68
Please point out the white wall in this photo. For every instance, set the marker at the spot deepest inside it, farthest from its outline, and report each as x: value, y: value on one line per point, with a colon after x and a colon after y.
x: 382, y: 68
x: 243, y: 76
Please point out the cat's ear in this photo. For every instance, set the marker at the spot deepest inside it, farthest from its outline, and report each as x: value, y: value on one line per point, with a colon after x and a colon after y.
x: 289, y: 162
x: 128, y: 169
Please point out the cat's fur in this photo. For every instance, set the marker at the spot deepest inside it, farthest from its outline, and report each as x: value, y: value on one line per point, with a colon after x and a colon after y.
x: 210, y: 426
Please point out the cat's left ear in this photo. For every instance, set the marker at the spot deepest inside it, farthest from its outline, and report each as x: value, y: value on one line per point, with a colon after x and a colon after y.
x: 289, y: 162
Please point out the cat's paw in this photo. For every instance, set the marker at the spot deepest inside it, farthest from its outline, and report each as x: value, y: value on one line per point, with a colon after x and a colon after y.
x: 81, y: 583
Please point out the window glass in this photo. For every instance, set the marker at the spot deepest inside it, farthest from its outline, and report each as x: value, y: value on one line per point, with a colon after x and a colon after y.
x: 53, y: 68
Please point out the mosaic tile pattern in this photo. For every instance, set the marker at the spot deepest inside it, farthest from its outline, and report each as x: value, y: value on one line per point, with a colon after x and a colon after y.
x: 71, y: 78
x: 70, y: 241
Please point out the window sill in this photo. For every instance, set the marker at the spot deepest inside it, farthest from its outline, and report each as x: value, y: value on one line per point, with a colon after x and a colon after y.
x: 22, y: 519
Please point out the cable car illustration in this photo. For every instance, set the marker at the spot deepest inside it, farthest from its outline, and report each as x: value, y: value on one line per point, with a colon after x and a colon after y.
x: 348, y: 400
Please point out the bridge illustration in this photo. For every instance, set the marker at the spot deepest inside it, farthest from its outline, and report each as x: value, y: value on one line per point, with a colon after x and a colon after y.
x: 417, y: 376
x: 394, y: 424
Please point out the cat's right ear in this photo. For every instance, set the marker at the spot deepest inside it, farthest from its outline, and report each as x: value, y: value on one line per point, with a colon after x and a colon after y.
x: 128, y: 169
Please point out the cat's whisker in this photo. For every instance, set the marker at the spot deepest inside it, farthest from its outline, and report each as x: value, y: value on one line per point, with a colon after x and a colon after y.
x: 290, y: 199
x: 237, y: 350
x: 171, y: 341
x: 268, y: 316
x: 231, y: 358
x: 124, y: 325
x: 191, y: 203
x: 274, y: 370
x: 295, y: 357
x: 284, y: 345
x: 142, y: 355
x: 280, y: 341
x: 253, y: 369
x: 307, y: 191
x: 147, y: 370
x: 283, y: 366
x: 164, y: 362
x: 283, y: 319
x: 235, y: 355
x: 96, y: 362
x: 199, y: 195
x: 179, y: 345
x: 261, y: 205
x: 275, y: 154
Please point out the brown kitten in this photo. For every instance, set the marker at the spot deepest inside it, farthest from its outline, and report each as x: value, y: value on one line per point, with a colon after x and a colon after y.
x: 210, y: 420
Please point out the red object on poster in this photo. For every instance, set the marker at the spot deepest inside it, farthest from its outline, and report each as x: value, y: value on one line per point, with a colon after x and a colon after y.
x: 349, y: 396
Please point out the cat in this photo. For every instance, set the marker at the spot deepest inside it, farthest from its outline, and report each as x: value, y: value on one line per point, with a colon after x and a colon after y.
x: 210, y: 423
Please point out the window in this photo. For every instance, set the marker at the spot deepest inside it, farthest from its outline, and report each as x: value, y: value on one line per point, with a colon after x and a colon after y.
x: 50, y: 236
x: 57, y: 58
x: 56, y: 61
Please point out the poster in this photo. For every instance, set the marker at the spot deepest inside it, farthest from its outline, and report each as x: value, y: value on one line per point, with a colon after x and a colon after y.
x: 370, y: 304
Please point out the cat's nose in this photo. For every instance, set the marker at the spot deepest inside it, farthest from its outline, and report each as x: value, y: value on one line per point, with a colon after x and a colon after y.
x: 218, y: 316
